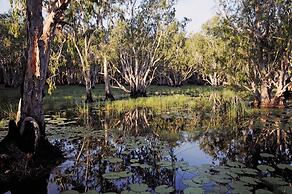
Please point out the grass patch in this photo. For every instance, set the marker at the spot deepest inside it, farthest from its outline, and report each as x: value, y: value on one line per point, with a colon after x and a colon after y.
x: 219, y: 103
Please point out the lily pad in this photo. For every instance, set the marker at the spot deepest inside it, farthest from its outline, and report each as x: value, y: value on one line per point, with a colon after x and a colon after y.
x: 250, y: 180
x: 263, y: 191
x: 250, y: 171
x: 284, y: 166
x: 237, y: 184
x: 138, y: 187
x: 190, y: 183
x: 192, y: 190
x: 70, y: 192
x: 200, y: 180
x: 285, y: 189
x: 135, y: 164
x: 235, y: 164
x: 274, y: 181
x: 134, y: 160
x: 267, y: 155
x: 111, y: 176
x: 92, y: 192
x: 164, y: 189
x: 265, y: 168
x: 114, y: 160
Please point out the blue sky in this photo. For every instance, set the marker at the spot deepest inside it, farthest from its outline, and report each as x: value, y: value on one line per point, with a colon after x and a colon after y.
x: 198, y: 10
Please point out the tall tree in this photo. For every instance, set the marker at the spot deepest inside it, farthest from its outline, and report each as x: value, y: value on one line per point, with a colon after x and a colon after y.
x: 261, y: 33
x: 108, y: 14
x: 12, y: 50
x: 209, y: 53
x: 40, y: 34
x: 83, y: 34
x: 177, y: 64
x: 138, y: 39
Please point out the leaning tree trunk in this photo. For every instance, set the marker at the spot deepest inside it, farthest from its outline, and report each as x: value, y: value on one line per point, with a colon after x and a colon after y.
x: 107, y: 87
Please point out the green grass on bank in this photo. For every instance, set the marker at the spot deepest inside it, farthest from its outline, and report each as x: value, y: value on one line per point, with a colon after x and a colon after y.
x: 160, y: 98
x: 218, y: 101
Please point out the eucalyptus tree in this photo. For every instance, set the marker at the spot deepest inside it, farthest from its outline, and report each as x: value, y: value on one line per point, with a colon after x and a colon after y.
x: 210, y: 53
x: 137, y: 39
x: 177, y: 65
x: 261, y: 33
x: 40, y: 33
x: 12, y: 50
x: 83, y: 34
x: 111, y: 11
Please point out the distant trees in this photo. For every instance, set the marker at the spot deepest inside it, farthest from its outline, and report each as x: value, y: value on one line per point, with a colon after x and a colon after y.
x: 177, y: 65
x: 131, y: 44
x: 260, y: 32
x: 83, y: 34
x: 138, y: 38
x: 12, y: 51
x: 210, y: 53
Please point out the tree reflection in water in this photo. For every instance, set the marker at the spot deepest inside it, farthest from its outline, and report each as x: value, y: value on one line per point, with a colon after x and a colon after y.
x: 108, y: 151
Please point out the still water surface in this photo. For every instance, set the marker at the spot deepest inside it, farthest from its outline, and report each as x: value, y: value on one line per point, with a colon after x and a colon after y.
x: 176, y: 152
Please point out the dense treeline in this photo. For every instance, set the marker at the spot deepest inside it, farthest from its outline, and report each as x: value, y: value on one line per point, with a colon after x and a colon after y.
x: 130, y: 45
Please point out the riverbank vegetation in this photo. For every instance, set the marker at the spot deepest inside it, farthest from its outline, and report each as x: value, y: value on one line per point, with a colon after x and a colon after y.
x: 138, y: 104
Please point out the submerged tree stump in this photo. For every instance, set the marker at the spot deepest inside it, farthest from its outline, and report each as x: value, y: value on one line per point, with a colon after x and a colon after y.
x: 24, y: 154
x: 26, y: 137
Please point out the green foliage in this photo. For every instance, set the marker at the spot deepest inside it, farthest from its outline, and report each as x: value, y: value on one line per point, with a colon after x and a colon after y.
x: 210, y: 53
x: 259, y: 34
x: 13, y: 45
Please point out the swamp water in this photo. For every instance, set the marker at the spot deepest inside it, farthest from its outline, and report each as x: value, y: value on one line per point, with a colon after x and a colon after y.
x: 178, y: 151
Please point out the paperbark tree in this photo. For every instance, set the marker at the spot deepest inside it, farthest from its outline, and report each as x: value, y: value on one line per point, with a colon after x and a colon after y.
x: 261, y: 33
x: 40, y: 34
x: 138, y: 40
x: 177, y: 64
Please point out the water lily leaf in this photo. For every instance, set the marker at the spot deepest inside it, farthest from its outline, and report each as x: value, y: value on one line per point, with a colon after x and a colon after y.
x: 265, y: 168
x: 263, y: 191
x: 222, y: 179
x: 138, y: 187
x: 114, y: 160
x: 110, y: 193
x: 135, y: 164
x: 192, y: 190
x: 235, y: 164
x: 250, y: 180
x: 233, y: 175
x: 249, y: 171
x: 128, y: 192
x: 165, y: 164
x: 111, y: 176
x: 145, y: 166
x: 134, y: 160
x: 274, y: 181
x: 70, y: 192
x: 285, y: 189
x: 237, y: 184
x: 92, y: 192
x: 241, y: 191
x: 200, y: 180
x: 267, y: 155
x: 236, y: 170
x: 164, y: 189
x: 124, y: 174
x: 190, y: 183
x: 219, y: 189
x: 284, y: 166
